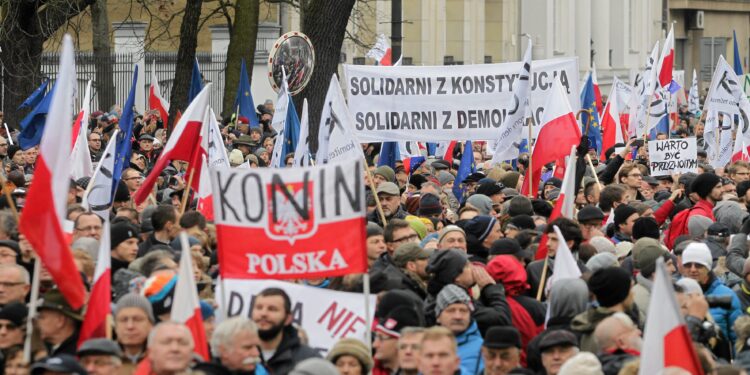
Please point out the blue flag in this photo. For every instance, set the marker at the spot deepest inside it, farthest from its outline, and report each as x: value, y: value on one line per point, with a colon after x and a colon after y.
x: 389, y: 155
x: 588, y: 102
x: 291, y: 131
x: 35, y: 96
x: 124, y: 143
x: 737, y: 59
x: 466, y: 168
x: 32, y: 126
x: 661, y: 127
x: 196, y: 82
x: 244, y: 99
x: 431, y: 148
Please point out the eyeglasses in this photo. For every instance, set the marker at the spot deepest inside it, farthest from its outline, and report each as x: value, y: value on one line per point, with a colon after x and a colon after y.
x: 134, y: 178
x: 8, y: 284
x: 637, y: 175
x: 384, y: 337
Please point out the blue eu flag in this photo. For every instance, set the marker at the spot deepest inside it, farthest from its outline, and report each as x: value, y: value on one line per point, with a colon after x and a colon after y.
x: 588, y: 102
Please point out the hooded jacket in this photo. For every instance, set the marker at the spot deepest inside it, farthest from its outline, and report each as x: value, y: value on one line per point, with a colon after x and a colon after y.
x: 642, y: 295
x: 470, y: 349
x: 289, y: 352
x: 583, y: 326
x: 724, y: 318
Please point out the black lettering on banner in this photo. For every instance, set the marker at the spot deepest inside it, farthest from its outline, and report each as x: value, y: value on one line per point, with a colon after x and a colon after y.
x: 231, y: 310
x: 223, y: 195
x: 277, y: 185
x: 440, y: 89
x: 447, y: 115
x: 261, y: 201
x: 354, y: 86
x: 354, y: 198
x: 456, y: 84
x: 322, y: 193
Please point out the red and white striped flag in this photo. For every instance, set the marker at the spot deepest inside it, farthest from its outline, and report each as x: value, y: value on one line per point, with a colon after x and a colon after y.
x: 381, y: 51
x: 612, y: 133
x: 597, y: 91
x: 95, y: 321
x: 183, y: 144
x: 80, y: 156
x: 565, y: 205
x: 739, y: 151
x: 186, y: 308
x: 155, y: 100
x: 559, y: 130
x: 666, y: 335
x: 44, y: 213
x: 666, y: 60
x: 205, y: 193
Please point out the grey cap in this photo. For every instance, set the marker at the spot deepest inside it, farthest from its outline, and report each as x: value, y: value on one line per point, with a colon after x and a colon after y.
x: 388, y: 188
x: 315, y: 366
x: 135, y: 300
x: 409, y: 252
x: 99, y: 347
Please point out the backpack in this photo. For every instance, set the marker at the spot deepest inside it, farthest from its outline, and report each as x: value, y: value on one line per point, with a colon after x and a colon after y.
x: 678, y: 227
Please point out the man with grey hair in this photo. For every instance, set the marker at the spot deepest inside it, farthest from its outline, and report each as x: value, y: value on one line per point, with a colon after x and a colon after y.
x: 8, y: 225
x: 235, y: 344
x: 14, y: 284
x: 170, y: 348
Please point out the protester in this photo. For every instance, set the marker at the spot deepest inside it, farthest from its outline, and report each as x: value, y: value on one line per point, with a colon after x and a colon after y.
x: 100, y: 356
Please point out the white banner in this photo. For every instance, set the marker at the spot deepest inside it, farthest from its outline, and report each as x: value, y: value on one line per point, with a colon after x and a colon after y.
x: 624, y: 91
x: 441, y: 103
x: 326, y: 315
x: 670, y: 156
x: 725, y: 90
x: 335, y: 139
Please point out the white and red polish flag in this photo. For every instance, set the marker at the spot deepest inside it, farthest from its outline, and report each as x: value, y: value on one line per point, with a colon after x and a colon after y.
x: 666, y: 60
x: 559, y: 130
x: 183, y: 144
x: 612, y: 133
x: 291, y: 223
x: 205, y: 194
x: 44, y: 213
x: 213, y: 155
x: 187, y: 308
x: 666, y: 335
x: 99, y: 306
x: 565, y: 205
x: 597, y: 91
x: 155, y: 100
x: 739, y: 151
x: 81, y: 156
x: 381, y: 51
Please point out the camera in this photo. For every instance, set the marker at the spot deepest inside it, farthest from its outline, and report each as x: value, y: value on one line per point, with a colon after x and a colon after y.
x: 724, y: 302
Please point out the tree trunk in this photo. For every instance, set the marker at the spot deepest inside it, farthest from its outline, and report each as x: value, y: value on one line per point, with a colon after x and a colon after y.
x: 325, y: 23
x: 185, y: 57
x: 24, y: 28
x: 103, y: 62
x: 241, y: 46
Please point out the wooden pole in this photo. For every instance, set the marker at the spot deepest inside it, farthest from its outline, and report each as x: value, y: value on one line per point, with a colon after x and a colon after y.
x: 32, y: 309
x: 543, y: 279
x: 9, y: 198
x: 378, y: 206
x: 186, y: 192
x: 531, y: 178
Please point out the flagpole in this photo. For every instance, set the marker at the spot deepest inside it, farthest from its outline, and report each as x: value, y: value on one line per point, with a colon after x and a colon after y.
x: 32, y: 309
x: 9, y: 198
x: 186, y: 191
x: 368, y: 323
x: 544, y: 276
x: 378, y: 206
x: 531, y: 148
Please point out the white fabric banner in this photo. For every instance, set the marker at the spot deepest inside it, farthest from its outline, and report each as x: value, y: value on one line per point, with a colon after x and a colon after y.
x: 670, y: 156
x: 326, y: 315
x: 624, y: 91
x: 440, y: 103
x: 335, y: 138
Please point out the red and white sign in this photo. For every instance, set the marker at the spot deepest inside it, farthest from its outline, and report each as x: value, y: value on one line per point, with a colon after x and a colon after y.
x: 290, y: 223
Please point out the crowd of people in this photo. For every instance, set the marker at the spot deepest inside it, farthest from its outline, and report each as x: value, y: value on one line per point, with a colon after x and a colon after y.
x: 459, y: 285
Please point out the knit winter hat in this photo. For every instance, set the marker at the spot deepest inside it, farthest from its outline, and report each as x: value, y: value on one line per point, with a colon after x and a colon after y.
x: 449, y: 295
x: 398, y: 319
x: 159, y: 290
x: 386, y: 172
x: 445, y: 177
x: 480, y: 226
x: 622, y: 213
x: 354, y: 348
x: 122, y: 232
x: 610, y: 285
x: 697, y: 252
x: 602, y: 244
x: 445, y: 266
x: 417, y: 225
x: 697, y: 226
x: 429, y: 204
x: 373, y: 229
x: 450, y: 228
x: 645, y: 227
x: 315, y: 366
x: 481, y: 202
x: 704, y: 183
x: 135, y: 300
x: 520, y: 205
x: 602, y: 260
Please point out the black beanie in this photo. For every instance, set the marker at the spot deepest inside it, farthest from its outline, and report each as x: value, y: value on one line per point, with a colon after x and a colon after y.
x: 645, y: 227
x: 704, y: 183
x: 121, y: 232
x: 622, y: 213
x: 445, y: 266
x: 610, y: 285
x: 542, y: 207
x: 122, y: 194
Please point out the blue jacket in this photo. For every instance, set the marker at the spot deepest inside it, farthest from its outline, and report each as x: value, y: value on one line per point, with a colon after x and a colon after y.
x: 724, y: 318
x: 470, y: 349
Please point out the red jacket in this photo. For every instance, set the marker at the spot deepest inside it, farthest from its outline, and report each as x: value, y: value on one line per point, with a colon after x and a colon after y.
x: 679, y: 225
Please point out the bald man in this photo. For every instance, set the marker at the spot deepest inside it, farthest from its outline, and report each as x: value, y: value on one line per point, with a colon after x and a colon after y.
x: 619, y: 340
x: 170, y: 348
